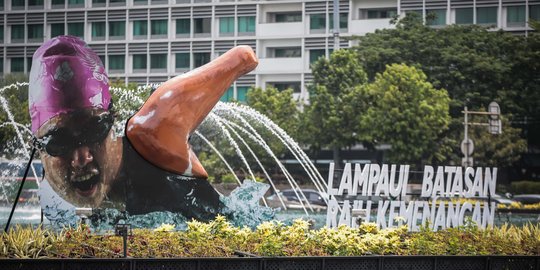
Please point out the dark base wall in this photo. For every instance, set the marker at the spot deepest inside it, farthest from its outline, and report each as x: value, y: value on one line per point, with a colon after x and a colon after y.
x: 285, y: 263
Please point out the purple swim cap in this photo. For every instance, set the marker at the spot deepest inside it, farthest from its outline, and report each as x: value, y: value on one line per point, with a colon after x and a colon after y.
x: 66, y: 76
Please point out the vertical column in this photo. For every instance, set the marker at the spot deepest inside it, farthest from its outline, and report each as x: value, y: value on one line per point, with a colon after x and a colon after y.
x: 170, y: 37
x: 526, y: 17
x: 336, y: 24
x: 474, y: 12
x: 424, y: 11
x: 449, y: 12
x: 500, y: 15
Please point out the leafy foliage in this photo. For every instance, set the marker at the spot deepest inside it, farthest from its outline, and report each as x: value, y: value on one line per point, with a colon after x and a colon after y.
x: 407, y: 112
x: 525, y: 187
x: 219, y: 238
x: 493, y: 150
x: 279, y: 106
x: 25, y: 242
x: 473, y: 64
x: 17, y: 102
x: 331, y: 114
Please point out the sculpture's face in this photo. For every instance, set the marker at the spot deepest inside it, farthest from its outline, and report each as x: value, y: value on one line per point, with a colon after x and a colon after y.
x: 81, y: 155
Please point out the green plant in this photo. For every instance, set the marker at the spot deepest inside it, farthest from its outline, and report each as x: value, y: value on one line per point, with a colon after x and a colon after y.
x: 525, y: 187
x: 228, y: 178
x: 26, y: 242
x: 218, y: 238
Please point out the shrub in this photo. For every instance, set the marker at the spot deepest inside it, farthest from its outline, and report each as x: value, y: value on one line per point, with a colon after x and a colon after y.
x: 526, y: 187
x: 219, y: 238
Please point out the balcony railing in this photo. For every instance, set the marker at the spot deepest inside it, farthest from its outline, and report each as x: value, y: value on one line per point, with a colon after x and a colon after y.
x: 280, y: 65
x: 281, y: 29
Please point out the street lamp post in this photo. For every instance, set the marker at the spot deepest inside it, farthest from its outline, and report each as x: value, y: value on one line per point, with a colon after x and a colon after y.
x: 494, y: 126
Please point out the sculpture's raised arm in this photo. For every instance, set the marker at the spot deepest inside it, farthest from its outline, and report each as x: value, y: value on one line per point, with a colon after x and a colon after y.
x: 159, y: 131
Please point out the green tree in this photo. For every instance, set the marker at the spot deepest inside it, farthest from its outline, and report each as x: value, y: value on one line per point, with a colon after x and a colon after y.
x: 126, y: 99
x: 279, y: 106
x: 17, y: 103
x: 408, y: 113
x: 331, y: 115
x: 492, y: 150
x: 471, y: 62
x: 534, y: 24
x: 282, y: 109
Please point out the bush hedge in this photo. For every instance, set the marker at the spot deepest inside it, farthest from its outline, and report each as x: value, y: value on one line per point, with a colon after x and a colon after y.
x: 525, y: 187
x: 219, y: 239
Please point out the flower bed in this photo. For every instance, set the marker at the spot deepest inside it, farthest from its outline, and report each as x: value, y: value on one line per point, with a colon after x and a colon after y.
x: 219, y: 239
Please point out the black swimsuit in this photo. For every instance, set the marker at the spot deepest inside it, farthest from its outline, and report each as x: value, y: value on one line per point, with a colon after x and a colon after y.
x: 150, y: 189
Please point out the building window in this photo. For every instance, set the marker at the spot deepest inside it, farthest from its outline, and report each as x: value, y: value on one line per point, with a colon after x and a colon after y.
x: 202, y: 25
x: 75, y: 3
x: 436, y: 17
x: 76, y: 29
x: 1, y: 65
x: 181, y: 60
x: 228, y: 96
x: 58, y: 2
x: 117, y: 29
x: 35, y: 3
x: 17, y: 4
x: 1, y: 36
x: 246, y: 24
x: 35, y: 32
x: 226, y: 25
x: 486, y: 15
x: 464, y: 15
x: 98, y: 30
x: 102, y: 59
x: 515, y: 16
x: 317, y: 21
x: 534, y: 12
x: 200, y: 59
x: 282, y: 86
x: 57, y: 29
x: 343, y: 21
x: 17, y: 32
x: 17, y: 64
x: 28, y: 64
x: 117, y: 2
x: 288, y: 52
x: 286, y: 17
x: 158, y: 61
x: 139, y: 62
x: 158, y: 27
x: 98, y: 3
x: 241, y: 93
x: 140, y: 28
x: 117, y: 63
x: 314, y: 55
x: 379, y: 13
x: 183, y: 26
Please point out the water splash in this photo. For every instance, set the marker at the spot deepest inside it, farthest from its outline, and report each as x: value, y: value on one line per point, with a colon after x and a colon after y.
x: 241, y: 208
x: 242, y: 205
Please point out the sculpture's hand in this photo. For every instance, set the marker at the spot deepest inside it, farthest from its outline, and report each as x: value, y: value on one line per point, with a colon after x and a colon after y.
x: 159, y: 131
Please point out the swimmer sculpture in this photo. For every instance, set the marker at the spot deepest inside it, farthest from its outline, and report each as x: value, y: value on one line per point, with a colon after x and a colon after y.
x: 152, y: 168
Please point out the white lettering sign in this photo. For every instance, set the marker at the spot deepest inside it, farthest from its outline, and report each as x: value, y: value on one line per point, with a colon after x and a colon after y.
x: 389, y: 184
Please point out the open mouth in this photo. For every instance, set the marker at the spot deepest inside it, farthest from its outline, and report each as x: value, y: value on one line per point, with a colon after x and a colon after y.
x: 86, y: 185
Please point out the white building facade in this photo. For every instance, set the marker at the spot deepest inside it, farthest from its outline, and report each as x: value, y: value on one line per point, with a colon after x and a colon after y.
x: 149, y: 41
